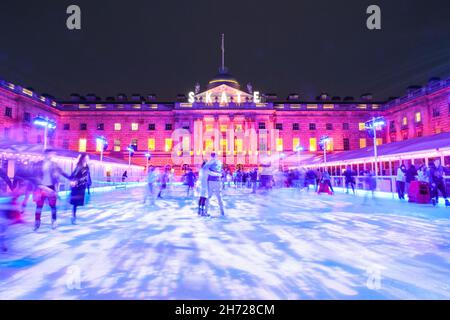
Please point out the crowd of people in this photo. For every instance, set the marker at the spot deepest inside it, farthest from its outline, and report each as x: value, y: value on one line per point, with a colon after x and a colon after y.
x: 432, y: 177
x: 41, y: 180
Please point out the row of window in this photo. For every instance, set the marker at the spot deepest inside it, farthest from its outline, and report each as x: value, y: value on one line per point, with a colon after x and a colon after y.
x: 118, y: 126
x: 209, y: 144
x: 169, y: 126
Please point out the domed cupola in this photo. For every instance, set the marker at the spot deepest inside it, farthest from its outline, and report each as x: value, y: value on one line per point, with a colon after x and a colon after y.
x: 223, y: 77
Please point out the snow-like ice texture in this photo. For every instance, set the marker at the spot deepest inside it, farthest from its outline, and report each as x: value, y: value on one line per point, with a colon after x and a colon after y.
x: 281, y: 245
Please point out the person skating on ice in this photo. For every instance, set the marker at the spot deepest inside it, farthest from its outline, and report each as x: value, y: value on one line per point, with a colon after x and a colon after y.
x: 349, y: 176
x: 214, y: 167
x: 47, y: 174
x: 80, y: 179
x: 203, y: 189
x: 190, y: 181
x: 152, y: 178
x: 163, y: 180
x: 437, y: 172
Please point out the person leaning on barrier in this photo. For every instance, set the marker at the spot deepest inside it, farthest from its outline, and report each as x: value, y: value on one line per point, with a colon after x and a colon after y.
x: 437, y: 172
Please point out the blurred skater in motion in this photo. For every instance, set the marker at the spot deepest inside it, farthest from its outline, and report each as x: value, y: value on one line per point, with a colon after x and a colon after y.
x: 79, y: 183
x: 214, y: 184
x: 6, y: 179
x: 23, y: 185
x: 190, y: 181
x: 89, y: 184
x: 310, y: 179
x: 203, y: 189
x: 326, y: 179
x: 152, y: 178
x: 437, y: 172
x: 125, y: 176
x: 254, y: 179
x: 8, y: 212
x: 163, y: 180
x: 349, y: 176
x: 371, y: 183
x: 47, y: 174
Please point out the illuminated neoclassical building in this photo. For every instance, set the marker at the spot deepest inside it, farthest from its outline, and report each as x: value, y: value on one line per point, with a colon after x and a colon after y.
x: 239, y: 123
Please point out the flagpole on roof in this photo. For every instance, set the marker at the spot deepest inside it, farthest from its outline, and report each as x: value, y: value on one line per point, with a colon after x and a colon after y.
x: 223, y: 51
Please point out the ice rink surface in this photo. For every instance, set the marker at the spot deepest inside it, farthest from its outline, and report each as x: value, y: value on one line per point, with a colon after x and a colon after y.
x: 281, y: 245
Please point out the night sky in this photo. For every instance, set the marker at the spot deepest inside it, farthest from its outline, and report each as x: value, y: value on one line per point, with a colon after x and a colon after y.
x: 165, y: 47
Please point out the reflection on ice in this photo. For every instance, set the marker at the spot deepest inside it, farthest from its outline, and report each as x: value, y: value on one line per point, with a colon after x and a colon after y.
x: 283, y: 245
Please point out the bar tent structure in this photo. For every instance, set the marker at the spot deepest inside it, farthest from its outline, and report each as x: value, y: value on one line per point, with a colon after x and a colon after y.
x: 418, y: 151
x: 13, y: 154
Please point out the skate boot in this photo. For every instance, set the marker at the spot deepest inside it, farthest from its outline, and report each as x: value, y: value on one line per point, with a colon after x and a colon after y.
x: 37, y: 225
x: 200, y: 211
x: 54, y: 224
x: 74, y: 220
x: 433, y: 202
x: 447, y: 203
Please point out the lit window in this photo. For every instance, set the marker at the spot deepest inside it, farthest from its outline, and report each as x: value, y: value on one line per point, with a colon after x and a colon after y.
x: 362, y: 126
x: 362, y: 143
x: 238, y: 127
x: 223, y: 144
x: 379, y: 141
x: 279, y: 145
x: 151, y: 144
x: 168, y: 145
x: 82, y: 145
x: 209, y: 144
x: 330, y: 145
x: 99, y: 145
x: 209, y: 127
x: 313, y: 144
x: 186, y: 143
x: 239, y: 145
x: 117, y: 126
x: 295, y: 143
x: 405, y: 121
x: 418, y: 117
x: 135, y: 126
x: 117, y: 145
x: 223, y: 128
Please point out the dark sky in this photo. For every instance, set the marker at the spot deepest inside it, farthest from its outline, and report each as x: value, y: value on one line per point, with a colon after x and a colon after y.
x: 164, y: 47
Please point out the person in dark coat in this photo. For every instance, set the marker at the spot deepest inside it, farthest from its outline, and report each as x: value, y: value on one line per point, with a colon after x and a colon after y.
x: 190, y: 181
x: 349, y: 176
x: 79, y: 183
x: 437, y: 172
x: 410, y: 176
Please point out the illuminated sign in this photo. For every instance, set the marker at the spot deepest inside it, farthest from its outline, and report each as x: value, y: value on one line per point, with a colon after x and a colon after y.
x: 224, y: 95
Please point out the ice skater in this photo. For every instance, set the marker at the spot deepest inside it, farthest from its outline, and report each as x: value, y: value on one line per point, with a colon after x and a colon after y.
x: 152, y: 178
x: 326, y: 179
x: 163, y: 180
x: 214, y: 184
x: 47, y: 174
x: 437, y: 172
x: 79, y: 183
x: 349, y: 176
x: 190, y: 181
x: 401, y: 181
x: 203, y: 190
